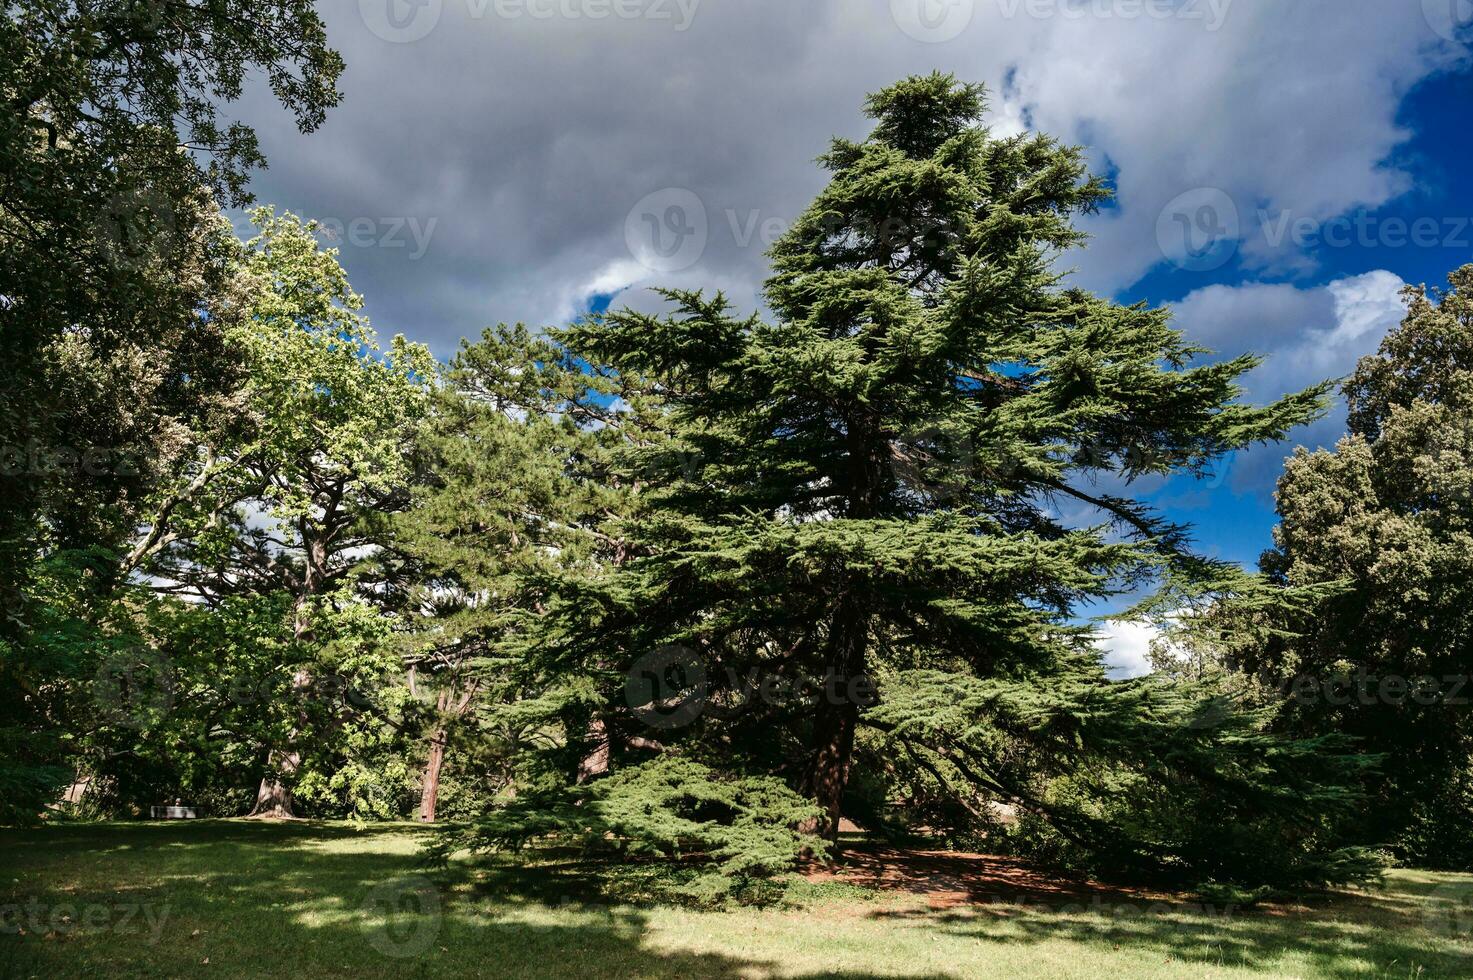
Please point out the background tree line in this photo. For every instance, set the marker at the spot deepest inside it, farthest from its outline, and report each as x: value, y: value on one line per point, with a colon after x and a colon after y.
x: 255, y: 561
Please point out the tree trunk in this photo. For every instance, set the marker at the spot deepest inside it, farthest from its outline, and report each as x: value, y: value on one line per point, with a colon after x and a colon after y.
x: 596, y: 763
x: 450, y: 707
x: 429, y: 794
x: 836, y: 716
x: 833, y: 732
x: 274, y: 797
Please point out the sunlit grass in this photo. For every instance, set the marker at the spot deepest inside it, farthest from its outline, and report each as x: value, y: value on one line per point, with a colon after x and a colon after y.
x: 309, y: 899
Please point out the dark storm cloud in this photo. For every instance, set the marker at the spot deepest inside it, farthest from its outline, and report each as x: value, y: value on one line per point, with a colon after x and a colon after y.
x: 523, y: 145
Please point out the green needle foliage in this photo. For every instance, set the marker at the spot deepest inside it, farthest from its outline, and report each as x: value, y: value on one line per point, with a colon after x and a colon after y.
x: 1145, y: 779
x: 738, y: 828
x: 508, y: 495
x: 870, y: 492
x: 521, y: 518
x: 681, y: 589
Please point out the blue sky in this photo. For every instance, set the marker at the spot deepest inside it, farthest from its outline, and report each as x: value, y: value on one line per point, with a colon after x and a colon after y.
x: 1235, y: 520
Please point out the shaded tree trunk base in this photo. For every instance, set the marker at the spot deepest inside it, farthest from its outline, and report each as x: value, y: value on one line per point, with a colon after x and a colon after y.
x: 836, y: 717
x: 274, y: 798
x: 273, y: 802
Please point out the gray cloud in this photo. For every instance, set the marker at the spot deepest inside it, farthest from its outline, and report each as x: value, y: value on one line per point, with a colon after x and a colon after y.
x: 1307, y: 334
x: 518, y: 144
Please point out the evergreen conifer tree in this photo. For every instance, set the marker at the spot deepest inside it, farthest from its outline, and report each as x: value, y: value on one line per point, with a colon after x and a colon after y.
x: 851, y: 541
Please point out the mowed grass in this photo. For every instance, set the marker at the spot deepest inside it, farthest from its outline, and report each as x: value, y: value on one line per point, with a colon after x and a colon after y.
x: 245, y: 899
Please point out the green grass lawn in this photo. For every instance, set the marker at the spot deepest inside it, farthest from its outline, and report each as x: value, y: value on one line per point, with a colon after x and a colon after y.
x: 238, y: 898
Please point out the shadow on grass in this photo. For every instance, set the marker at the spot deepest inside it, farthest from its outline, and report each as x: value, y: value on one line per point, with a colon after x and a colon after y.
x: 1350, y: 936
x: 1006, y: 902
x: 244, y: 899
x: 249, y: 898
